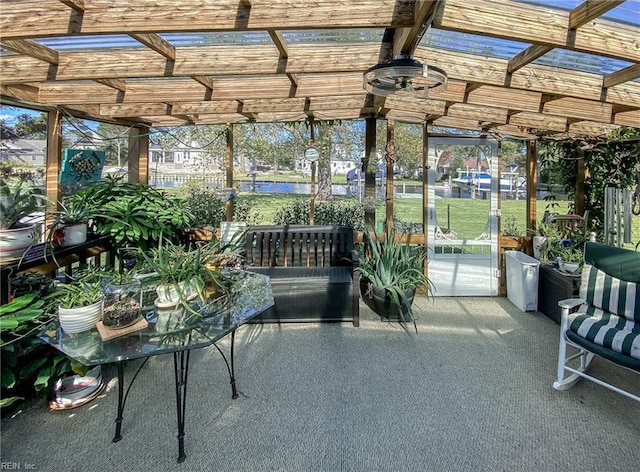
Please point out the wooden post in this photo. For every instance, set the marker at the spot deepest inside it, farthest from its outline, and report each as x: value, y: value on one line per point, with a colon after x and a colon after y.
x: 369, y: 174
x: 54, y: 163
x: 390, y: 157
x: 532, y: 184
x: 139, y: 155
x: 228, y: 165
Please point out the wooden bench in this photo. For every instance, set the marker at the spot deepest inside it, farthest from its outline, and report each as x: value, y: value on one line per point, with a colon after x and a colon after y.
x: 607, y: 320
x: 311, y: 270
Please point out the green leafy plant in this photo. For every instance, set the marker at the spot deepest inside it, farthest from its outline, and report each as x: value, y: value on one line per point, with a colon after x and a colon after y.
x: 135, y: 214
x: 29, y: 366
x: 341, y: 213
x: 18, y: 200
x: 177, y: 266
x: 83, y: 292
x: 395, y: 267
x: 71, y: 211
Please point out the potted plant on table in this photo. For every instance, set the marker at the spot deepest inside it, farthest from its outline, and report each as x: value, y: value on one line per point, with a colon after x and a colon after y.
x: 79, y: 304
x: 391, y: 272
x: 182, y: 273
x: 122, y: 299
x: 20, y: 203
x: 68, y: 226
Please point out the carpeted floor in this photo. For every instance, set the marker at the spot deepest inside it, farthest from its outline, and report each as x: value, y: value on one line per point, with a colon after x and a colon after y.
x: 471, y: 391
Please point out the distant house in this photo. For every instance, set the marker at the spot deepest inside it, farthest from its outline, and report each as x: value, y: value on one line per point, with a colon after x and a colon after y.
x: 180, y: 157
x: 24, y: 152
x: 338, y: 167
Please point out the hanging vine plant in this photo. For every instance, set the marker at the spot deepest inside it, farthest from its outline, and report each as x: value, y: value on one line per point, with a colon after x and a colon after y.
x: 610, y: 161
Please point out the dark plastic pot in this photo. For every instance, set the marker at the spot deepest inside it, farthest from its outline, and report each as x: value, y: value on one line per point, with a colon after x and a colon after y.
x: 379, y: 301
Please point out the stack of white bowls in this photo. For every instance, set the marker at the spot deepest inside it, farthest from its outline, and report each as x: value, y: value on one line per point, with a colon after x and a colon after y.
x: 77, y: 320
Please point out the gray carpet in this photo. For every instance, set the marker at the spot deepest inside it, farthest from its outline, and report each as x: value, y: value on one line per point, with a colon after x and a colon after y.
x: 471, y: 391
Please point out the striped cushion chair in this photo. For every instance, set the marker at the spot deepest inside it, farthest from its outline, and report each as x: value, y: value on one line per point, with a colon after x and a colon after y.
x: 607, y: 320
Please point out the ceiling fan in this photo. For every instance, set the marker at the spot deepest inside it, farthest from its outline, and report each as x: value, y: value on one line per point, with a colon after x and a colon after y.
x: 404, y: 75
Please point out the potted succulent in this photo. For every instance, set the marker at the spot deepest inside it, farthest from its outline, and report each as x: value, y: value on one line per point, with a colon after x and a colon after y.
x: 69, y: 223
x: 391, y: 271
x: 182, y: 273
x: 569, y: 258
x: 19, y: 204
x: 542, y: 234
x: 80, y: 304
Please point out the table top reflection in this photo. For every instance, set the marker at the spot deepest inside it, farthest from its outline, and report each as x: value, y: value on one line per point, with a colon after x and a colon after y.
x: 170, y: 330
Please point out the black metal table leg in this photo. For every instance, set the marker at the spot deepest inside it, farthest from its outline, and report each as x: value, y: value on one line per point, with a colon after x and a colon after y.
x: 122, y: 397
x: 230, y: 366
x: 118, y: 435
x: 181, y: 369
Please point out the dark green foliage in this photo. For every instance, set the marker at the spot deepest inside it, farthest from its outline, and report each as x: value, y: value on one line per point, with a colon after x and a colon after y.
x: 28, y: 365
x: 207, y: 208
x: 135, y: 214
x: 339, y: 213
x: 608, y: 162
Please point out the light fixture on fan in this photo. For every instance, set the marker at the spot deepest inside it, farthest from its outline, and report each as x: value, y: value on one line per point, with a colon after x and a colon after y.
x: 404, y: 75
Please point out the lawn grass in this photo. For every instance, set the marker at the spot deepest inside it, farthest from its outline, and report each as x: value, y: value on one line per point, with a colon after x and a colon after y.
x: 468, y: 217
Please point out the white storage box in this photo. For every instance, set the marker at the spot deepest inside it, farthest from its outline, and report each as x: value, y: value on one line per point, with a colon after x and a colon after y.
x: 522, y: 280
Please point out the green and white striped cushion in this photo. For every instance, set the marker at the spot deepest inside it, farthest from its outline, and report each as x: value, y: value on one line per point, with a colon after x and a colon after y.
x: 605, y: 329
x: 610, y: 294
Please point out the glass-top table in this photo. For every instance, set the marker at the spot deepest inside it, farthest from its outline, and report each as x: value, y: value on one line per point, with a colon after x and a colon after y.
x: 172, y: 331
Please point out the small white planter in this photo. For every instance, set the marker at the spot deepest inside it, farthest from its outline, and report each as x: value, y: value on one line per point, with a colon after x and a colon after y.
x: 71, y: 235
x: 539, y: 242
x: 168, y: 294
x: 14, y: 242
x: 78, y: 320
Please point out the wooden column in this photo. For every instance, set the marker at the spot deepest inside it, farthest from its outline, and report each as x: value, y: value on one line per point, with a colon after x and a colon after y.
x: 139, y: 155
x: 532, y: 184
x: 228, y: 165
x: 390, y: 157
x: 369, y: 174
x: 54, y: 163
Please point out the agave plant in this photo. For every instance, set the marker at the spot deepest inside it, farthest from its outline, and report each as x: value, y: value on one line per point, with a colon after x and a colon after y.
x: 396, y: 268
x: 18, y: 200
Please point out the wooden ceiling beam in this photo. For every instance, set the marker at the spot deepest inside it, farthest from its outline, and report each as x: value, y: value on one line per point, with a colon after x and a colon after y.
x: 590, y: 10
x: 117, y: 84
x: 77, y: 5
x: 406, y: 40
x: 220, y: 60
x: 157, y: 43
x: 31, y: 49
x: 25, y: 18
x: 521, y: 22
x: 527, y: 56
x: 281, y: 45
x: 204, y: 80
x: 624, y: 75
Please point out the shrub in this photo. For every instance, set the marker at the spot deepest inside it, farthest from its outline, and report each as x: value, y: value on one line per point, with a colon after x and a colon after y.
x: 342, y: 213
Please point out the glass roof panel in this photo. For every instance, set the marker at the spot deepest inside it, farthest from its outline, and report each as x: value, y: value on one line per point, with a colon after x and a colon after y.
x: 333, y: 36
x: 582, y: 62
x: 89, y: 42
x: 217, y: 39
x: 628, y: 12
x: 472, y: 44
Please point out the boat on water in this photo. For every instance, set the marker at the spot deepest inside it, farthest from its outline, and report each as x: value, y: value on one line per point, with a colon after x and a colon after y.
x: 480, y: 181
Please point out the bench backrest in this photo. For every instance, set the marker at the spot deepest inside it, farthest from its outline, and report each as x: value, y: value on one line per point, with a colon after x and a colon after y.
x: 611, y: 280
x: 298, y: 246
